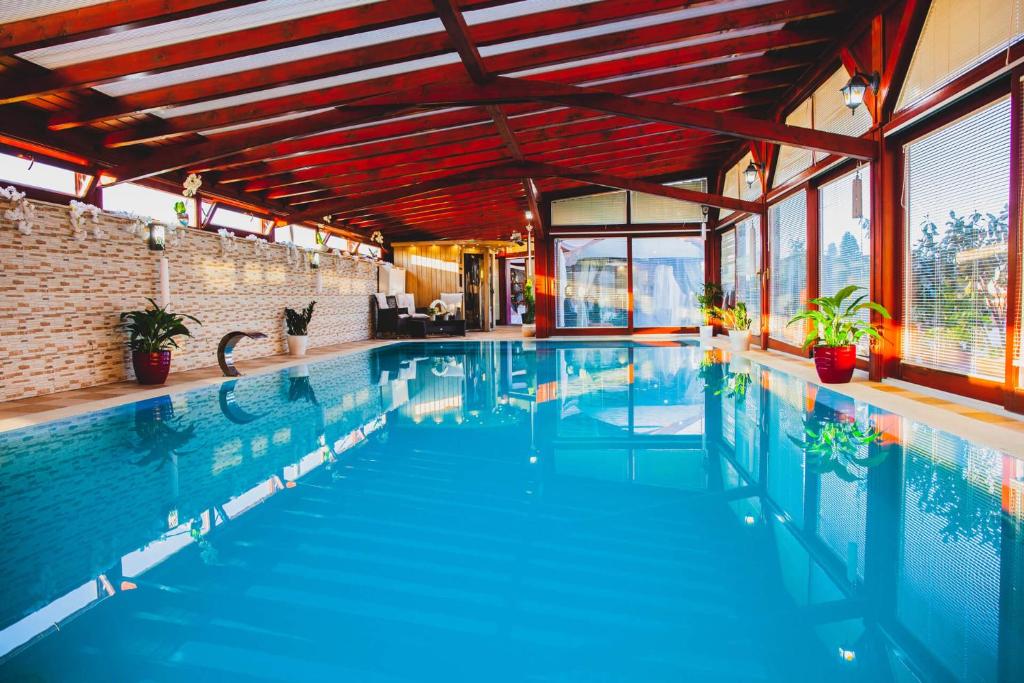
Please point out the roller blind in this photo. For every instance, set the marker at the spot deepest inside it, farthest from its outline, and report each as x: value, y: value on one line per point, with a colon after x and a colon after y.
x: 787, y: 224
x: 728, y: 265
x: 650, y: 208
x: 845, y: 254
x: 957, y: 197
x: 731, y: 184
x: 748, y: 268
x: 957, y: 35
x: 608, y: 208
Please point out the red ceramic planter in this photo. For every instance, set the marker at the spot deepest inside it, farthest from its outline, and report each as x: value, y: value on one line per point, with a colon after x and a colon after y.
x: 151, y: 368
x: 835, y: 364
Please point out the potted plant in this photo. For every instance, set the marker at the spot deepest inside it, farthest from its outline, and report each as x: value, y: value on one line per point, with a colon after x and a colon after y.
x: 707, y: 303
x: 298, y: 324
x: 151, y: 335
x: 836, y: 328
x: 529, y: 327
x: 738, y: 321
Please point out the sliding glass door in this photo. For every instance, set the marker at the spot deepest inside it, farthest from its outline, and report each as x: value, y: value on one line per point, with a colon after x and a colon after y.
x: 597, y: 278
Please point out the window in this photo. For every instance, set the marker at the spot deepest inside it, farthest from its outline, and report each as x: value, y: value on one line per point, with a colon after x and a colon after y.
x: 787, y: 224
x: 957, y: 192
x: 741, y: 265
x: 368, y: 250
x: 19, y: 171
x: 146, y: 202
x: 608, y: 208
x: 225, y: 217
x: 845, y: 227
x: 727, y: 271
x: 668, y: 272
x: 591, y: 282
x: 748, y: 269
x: 650, y: 208
x: 957, y: 35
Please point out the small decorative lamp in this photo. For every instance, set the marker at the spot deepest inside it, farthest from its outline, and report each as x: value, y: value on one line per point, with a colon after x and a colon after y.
x: 853, y: 91
x: 750, y: 173
x: 314, y: 259
x: 704, y: 222
x: 157, y: 237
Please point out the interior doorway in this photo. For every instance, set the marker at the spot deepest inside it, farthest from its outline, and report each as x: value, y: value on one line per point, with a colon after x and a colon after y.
x: 515, y: 286
x: 472, y: 268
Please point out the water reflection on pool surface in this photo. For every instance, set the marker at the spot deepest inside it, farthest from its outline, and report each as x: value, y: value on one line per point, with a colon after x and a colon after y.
x: 485, y: 511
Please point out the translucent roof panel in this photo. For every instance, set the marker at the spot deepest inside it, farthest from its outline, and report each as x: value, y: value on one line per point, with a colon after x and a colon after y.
x: 308, y: 86
x: 182, y: 30
x: 699, y: 40
x: 16, y: 10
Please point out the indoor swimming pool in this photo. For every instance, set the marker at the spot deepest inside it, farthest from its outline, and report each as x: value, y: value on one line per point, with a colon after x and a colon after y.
x: 501, y: 511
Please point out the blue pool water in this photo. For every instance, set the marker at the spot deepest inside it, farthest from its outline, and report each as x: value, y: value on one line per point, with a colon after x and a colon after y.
x: 487, y: 512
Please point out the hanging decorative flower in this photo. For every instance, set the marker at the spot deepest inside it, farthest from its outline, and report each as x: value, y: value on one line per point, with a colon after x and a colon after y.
x: 378, y: 237
x: 23, y: 213
x: 259, y: 244
x: 192, y: 184
x: 79, y: 222
x: 227, y: 241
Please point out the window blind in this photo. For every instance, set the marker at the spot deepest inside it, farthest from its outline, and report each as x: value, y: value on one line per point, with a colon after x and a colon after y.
x: 845, y: 254
x: 650, y: 208
x: 731, y: 184
x: 748, y: 269
x: 727, y: 271
x: 832, y: 114
x: 787, y: 223
x: 793, y: 160
x: 608, y: 208
x: 957, y: 35
x: 957, y: 198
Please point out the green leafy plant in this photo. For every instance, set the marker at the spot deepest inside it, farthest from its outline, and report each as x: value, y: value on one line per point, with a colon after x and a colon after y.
x: 735, y: 318
x: 837, y: 323
x: 298, y: 321
x: 707, y: 301
x: 735, y: 385
x: 835, y: 447
x: 531, y: 303
x: 154, y: 329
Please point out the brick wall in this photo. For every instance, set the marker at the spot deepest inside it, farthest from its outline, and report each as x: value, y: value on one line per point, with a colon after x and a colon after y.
x: 60, y: 299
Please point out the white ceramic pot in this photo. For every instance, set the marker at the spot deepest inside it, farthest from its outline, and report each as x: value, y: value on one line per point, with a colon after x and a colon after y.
x: 739, y: 340
x: 707, y: 331
x: 529, y: 330
x: 739, y: 364
x: 297, y: 344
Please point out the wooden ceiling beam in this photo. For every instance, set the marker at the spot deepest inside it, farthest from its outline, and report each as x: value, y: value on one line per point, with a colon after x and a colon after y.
x: 193, y: 157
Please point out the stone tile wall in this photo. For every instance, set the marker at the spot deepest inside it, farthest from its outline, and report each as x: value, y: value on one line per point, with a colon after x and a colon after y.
x: 60, y: 299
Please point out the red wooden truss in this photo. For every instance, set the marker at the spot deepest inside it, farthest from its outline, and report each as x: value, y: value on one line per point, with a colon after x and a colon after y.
x: 425, y: 119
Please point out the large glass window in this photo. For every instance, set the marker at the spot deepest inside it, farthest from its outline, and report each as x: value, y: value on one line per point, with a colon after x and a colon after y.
x: 957, y: 191
x: 233, y: 218
x: 845, y: 227
x: 34, y: 173
x: 146, y: 202
x: 667, y: 274
x: 727, y: 270
x: 748, y: 268
x: 591, y: 281
x: 787, y: 223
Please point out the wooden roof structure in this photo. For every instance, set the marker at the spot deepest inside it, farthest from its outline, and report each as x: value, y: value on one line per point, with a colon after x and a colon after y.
x: 425, y: 119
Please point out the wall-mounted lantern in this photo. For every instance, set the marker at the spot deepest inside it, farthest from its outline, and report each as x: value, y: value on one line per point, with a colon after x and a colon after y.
x: 750, y: 173
x: 856, y: 87
x: 156, y: 236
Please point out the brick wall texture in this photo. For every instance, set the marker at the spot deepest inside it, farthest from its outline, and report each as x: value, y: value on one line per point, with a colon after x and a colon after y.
x: 60, y: 299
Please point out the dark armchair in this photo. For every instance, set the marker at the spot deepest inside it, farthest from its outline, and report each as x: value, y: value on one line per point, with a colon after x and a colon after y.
x: 390, y: 313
